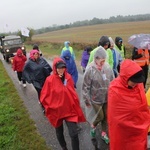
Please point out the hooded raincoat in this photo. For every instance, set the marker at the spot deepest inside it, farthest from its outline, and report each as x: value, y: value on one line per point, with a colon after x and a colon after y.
x: 95, y: 85
x: 120, y: 47
x: 68, y: 47
x: 60, y: 99
x: 36, y: 71
x: 85, y: 56
x: 71, y: 65
x: 19, y: 61
x: 128, y: 114
x: 109, y: 56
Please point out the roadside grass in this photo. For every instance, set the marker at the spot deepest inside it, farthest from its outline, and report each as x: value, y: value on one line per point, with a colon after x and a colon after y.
x: 17, y: 130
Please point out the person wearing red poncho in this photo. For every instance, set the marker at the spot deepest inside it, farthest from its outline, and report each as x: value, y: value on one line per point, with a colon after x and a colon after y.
x: 61, y: 103
x: 128, y: 113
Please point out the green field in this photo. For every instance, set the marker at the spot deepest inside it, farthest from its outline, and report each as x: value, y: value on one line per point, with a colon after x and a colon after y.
x: 51, y: 43
x: 91, y: 34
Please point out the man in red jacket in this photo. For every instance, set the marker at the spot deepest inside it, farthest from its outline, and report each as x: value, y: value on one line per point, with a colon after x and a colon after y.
x: 128, y: 113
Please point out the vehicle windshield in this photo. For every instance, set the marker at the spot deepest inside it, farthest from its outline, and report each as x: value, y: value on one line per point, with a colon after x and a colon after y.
x: 12, y: 42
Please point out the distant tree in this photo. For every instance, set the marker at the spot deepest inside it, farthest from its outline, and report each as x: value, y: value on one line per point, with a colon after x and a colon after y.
x: 31, y: 33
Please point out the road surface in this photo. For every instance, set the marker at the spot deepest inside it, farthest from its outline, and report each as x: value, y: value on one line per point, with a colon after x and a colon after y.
x: 30, y: 99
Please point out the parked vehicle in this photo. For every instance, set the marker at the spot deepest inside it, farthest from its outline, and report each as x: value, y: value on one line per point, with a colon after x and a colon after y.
x: 9, y: 46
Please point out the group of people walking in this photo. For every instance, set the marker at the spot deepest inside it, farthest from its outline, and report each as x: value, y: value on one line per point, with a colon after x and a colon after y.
x: 121, y: 99
x: 115, y: 53
x: 112, y: 89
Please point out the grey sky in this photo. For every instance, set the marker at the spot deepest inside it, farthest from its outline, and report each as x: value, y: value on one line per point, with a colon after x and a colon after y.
x: 35, y: 14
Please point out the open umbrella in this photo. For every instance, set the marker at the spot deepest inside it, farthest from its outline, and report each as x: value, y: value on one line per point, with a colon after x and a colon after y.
x: 140, y: 41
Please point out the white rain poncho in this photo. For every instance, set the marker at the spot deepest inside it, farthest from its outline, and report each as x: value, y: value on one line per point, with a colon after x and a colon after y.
x: 95, y: 85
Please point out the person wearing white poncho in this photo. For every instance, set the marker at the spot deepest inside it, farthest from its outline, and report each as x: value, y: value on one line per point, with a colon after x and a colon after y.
x: 97, y: 78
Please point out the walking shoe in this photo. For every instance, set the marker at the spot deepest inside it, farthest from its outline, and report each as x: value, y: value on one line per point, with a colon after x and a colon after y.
x: 24, y: 85
x: 105, y: 137
x: 93, y: 132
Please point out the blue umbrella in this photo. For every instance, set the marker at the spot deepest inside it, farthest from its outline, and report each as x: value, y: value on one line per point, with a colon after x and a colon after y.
x: 140, y: 41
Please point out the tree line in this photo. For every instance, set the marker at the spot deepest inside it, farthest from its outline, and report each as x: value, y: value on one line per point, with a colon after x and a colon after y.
x: 95, y: 21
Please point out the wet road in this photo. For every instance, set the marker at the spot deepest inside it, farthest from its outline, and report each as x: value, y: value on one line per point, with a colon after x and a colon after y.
x: 30, y: 99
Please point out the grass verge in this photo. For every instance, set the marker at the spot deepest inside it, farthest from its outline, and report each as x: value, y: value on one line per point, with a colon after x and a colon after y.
x: 17, y: 130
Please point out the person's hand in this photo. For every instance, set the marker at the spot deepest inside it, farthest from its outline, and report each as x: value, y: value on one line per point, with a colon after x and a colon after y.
x: 15, y: 71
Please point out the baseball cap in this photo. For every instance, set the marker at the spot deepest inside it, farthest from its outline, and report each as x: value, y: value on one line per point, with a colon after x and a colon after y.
x: 138, y: 77
x: 60, y: 64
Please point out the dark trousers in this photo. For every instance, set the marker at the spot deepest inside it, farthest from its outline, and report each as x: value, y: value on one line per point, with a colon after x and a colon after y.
x: 19, y: 75
x: 39, y: 93
x: 72, y: 128
x: 145, y: 70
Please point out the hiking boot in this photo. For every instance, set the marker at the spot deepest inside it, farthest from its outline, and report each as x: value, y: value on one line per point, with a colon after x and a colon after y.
x: 105, y: 137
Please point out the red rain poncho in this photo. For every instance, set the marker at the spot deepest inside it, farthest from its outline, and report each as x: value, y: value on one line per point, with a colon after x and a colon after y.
x: 60, y: 100
x: 128, y: 114
x: 19, y: 61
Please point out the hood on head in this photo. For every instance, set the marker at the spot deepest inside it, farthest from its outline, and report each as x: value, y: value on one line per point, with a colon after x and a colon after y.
x: 128, y: 68
x: 111, y: 41
x: 66, y: 54
x: 88, y: 49
x: 118, y: 39
x: 55, y: 62
x: 138, y: 77
x: 66, y: 43
x: 32, y: 52
x: 60, y: 65
x: 19, y: 52
x: 100, y: 53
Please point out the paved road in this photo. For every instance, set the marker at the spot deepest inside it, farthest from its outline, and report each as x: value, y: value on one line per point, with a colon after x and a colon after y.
x: 30, y: 99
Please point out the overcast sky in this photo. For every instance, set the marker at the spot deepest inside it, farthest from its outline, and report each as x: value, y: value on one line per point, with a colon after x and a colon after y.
x: 36, y: 14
